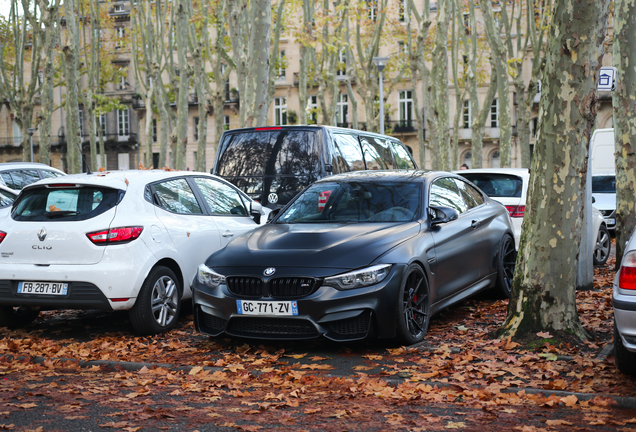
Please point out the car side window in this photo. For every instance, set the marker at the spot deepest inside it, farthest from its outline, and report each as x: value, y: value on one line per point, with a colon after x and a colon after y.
x: 17, y: 179
x: 469, y: 199
x: 221, y: 198
x: 475, y: 194
x: 50, y: 174
x: 176, y: 196
x: 350, y: 154
x: 6, y: 198
x: 444, y: 192
x: 402, y: 157
x: 377, y: 154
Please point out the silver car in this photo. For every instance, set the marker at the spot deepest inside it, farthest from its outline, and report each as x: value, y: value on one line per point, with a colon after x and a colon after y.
x: 16, y: 175
x: 624, y: 300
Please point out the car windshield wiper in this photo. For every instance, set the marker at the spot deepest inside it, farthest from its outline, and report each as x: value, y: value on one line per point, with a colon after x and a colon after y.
x: 55, y: 214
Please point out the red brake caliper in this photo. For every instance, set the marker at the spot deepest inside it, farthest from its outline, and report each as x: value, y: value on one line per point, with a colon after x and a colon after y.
x: 414, y: 302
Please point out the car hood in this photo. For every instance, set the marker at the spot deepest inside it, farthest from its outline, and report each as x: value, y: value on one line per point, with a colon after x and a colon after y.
x: 336, y: 246
x: 604, y: 201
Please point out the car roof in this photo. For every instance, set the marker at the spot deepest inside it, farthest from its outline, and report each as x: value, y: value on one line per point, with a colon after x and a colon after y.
x: 306, y: 127
x: 515, y: 171
x: 26, y: 165
x: 385, y: 175
x: 120, y: 179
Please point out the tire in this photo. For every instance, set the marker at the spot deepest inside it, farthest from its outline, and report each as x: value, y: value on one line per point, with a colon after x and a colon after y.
x: 413, y: 306
x: 602, y: 247
x: 506, y: 266
x: 625, y: 360
x: 158, y: 303
x: 15, y: 317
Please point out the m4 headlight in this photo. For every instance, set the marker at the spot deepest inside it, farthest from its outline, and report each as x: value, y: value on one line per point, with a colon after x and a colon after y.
x: 208, y: 277
x: 359, y: 278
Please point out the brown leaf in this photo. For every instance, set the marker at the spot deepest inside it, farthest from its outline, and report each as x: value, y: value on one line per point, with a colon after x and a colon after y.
x: 558, y: 423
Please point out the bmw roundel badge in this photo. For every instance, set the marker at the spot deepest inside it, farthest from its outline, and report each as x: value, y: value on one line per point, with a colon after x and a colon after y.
x: 269, y: 271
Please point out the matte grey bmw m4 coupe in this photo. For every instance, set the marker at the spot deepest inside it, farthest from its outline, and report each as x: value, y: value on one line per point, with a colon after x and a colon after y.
x: 369, y: 253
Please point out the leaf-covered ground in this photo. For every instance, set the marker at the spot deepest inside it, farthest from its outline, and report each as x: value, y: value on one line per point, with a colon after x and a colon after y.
x: 458, y: 378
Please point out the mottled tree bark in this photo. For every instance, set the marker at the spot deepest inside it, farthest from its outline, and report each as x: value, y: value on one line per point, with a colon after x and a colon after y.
x: 543, y: 291
x: 624, y: 105
x: 71, y: 75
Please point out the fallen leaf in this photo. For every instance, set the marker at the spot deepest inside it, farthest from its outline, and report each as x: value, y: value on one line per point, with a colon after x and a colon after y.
x: 544, y: 335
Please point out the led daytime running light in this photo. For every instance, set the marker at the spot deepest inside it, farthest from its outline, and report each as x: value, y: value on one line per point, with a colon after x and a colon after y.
x: 208, y: 277
x: 359, y: 278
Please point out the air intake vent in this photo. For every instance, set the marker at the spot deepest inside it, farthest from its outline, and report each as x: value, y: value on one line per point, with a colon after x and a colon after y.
x: 292, y: 287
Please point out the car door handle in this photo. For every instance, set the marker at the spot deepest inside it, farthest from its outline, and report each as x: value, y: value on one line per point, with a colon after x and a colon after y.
x: 475, y: 223
x: 227, y: 234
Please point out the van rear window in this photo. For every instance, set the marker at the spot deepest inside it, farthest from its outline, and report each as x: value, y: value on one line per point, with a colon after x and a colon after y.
x: 260, y: 153
x: 65, y: 204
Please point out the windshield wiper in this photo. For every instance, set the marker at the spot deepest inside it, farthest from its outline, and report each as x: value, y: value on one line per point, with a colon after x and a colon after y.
x: 55, y: 214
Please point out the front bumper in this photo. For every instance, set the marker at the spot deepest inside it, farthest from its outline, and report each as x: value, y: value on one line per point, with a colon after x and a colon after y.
x: 625, y: 317
x: 338, y: 315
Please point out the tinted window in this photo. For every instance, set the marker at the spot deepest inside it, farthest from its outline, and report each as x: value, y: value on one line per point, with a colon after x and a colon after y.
x: 604, y: 184
x: 402, y: 157
x: 497, y: 185
x: 377, y: 154
x: 17, y: 179
x: 221, y: 198
x: 50, y: 174
x: 355, y: 202
x: 465, y: 192
x: 270, y: 153
x: 350, y: 154
x: 176, y: 196
x: 444, y: 192
x: 65, y: 204
x: 6, y: 198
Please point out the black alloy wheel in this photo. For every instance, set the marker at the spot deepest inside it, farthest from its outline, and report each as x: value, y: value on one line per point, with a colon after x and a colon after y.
x: 602, y: 247
x: 506, y: 265
x: 413, y: 318
x: 15, y: 317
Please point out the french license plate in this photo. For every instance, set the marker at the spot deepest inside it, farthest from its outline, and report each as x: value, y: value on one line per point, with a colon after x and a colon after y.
x: 274, y: 308
x: 611, y: 221
x: 51, y: 288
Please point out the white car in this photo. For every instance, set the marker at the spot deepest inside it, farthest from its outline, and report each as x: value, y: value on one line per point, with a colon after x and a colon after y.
x: 123, y: 240
x: 509, y: 186
x: 17, y: 175
x: 604, y: 196
x: 7, y: 196
x: 624, y: 301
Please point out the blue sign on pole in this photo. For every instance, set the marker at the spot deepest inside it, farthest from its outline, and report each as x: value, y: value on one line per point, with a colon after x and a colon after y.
x: 607, y: 79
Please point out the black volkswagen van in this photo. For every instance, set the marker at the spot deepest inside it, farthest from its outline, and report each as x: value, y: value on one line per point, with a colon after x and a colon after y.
x: 272, y: 164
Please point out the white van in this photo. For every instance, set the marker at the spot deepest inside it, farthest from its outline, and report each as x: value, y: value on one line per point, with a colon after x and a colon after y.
x: 603, y: 169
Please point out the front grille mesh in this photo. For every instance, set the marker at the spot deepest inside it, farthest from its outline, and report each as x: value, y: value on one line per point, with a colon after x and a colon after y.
x: 352, y: 326
x: 245, y: 286
x: 291, y: 287
x: 275, y: 327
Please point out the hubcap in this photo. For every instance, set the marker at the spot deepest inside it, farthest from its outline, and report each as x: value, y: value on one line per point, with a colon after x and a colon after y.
x: 415, y: 304
x: 509, y: 259
x: 164, y: 301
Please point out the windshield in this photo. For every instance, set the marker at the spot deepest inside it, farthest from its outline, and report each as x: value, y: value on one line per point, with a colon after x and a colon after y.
x: 352, y: 202
x: 604, y: 184
x: 497, y: 185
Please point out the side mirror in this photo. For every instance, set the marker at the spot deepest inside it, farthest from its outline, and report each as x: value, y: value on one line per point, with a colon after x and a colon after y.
x: 440, y: 214
x: 272, y: 215
x: 256, y: 210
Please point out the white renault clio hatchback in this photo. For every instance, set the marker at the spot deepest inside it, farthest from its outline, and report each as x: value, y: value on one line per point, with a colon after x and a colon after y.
x: 123, y: 240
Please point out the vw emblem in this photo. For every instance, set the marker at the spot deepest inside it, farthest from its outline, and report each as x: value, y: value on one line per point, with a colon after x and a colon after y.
x: 42, y: 234
x: 272, y: 198
x: 269, y: 271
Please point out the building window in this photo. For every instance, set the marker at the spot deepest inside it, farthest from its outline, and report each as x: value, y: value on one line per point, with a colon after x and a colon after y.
x: 403, y: 53
x: 402, y: 10
x: 466, y: 115
x: 467, y: 23
x: 227, y: 90
x: 195, y: 123
x: 100, y: 124
x: 119, y: 8
x: 495, y: 159
x: 226, y: 122
x: 120, y: 32
x: 405, y: 103
x: 468, y: 158
x: 40, y: 77
x: 312, y: 109
x: 17, y: 134
x: 342, y: 63
x: 281, y: 64
x: 494, y: 113
x: 280, y: 111
x: 372, y: 9
x: 154, y: 130
x: 123, y: 123
x: 342, y: 110
x: 121, y: 85
x: 533, y: 126
x: 497, y: 16
x: 81, y: 123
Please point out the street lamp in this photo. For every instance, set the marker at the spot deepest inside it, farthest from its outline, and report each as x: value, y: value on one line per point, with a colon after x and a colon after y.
x: 31, y: 131
x: 380, y: 63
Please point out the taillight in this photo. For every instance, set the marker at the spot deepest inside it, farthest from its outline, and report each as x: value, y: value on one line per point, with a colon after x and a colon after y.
x: 516, y: 211
x: 115, y: 235
x: 627, y: 274
x: 2, y: 235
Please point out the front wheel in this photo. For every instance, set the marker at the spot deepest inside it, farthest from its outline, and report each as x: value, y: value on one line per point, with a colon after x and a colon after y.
x: 602, y: 247
x: 15, y: 317
x: 506, y: 265
x: 413, y: 307
x: 158, y: 303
